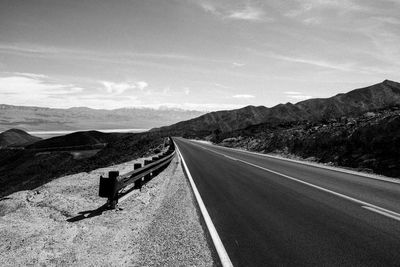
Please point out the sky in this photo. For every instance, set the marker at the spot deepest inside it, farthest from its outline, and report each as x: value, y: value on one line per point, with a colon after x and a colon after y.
x: 193, y: 54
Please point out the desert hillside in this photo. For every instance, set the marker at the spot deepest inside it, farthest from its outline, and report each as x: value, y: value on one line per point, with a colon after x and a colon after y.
x: 368, y: 142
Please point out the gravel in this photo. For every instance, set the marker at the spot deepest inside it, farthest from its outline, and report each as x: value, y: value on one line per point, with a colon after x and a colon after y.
x: 59, y: 224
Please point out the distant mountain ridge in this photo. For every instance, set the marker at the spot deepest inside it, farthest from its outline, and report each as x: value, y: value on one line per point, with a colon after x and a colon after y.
x: 16, y: 137
x: 353, y: 103
x: 82, y: 118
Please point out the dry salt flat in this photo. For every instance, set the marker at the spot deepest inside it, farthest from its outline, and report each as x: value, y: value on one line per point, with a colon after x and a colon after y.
x: 60, y: 224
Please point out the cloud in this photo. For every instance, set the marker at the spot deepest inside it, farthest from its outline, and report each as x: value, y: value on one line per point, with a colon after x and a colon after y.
x: 120, y: 88
x: 222, y: 86
x: 30, y: 89
x: 166, y: 91
x: 312, y: 21
x: 244, y: 96
x: 186, y: 91
x: 306, y: 6
x: 348, y: 67
x: 297, y: 95
x: 248, y: 13
x: 40, y: 51
x: 238, y: 65
x: 141, y: 85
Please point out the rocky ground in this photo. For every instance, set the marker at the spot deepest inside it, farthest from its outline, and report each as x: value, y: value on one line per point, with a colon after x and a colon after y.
x: 60, y: 224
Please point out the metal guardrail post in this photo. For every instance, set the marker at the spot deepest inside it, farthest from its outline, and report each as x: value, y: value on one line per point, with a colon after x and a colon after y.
x: 112, y: 197
x: 148, y: 176
x: 138, y: 183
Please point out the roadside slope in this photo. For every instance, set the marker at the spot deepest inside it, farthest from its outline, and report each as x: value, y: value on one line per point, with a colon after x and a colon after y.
x: 158, y: 226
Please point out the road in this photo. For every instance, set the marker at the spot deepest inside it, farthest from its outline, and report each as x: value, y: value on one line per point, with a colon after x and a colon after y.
x: 272, y: 212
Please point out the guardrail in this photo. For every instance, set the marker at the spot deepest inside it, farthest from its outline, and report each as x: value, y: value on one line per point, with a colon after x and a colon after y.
x: 110, y: 186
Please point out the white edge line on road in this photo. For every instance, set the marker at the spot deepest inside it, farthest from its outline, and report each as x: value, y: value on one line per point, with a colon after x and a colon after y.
x: 382, y: 211
x: 390, y: 215
x: 317, y: 165
x: 223, y: 255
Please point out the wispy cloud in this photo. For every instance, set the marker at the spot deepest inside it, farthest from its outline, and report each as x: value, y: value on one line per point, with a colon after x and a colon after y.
x: 35, y: 50
x: 348, y: 67
x: 297, y: 95
x: 222, y: 86
x: 306, y: 6
x: 244, y: 96
x: 26, y: 88
x: 186, y: 90
x: 121, y: 87
x: 248, y: 11
x: 237, y: 64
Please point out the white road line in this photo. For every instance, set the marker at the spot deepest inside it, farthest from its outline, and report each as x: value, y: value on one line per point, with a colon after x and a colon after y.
x: 370, y: 206
x: 223, y: 255
x: 316, y: 165
x: 390, y: 215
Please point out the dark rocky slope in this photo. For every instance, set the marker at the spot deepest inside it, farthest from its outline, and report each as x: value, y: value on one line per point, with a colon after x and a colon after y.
x: 22, y: 169
x: 369, y: 142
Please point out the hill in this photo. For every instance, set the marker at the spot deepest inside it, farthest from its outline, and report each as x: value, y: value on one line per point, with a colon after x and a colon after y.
x: 16, y: 137
x: 81, y: 118
x: 353, y: 103
x: 86, y: 138
x: 22, y: 169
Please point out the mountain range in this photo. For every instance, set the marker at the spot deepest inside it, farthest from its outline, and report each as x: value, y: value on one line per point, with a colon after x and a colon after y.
x: 82, y: 118
x: 353, y: 103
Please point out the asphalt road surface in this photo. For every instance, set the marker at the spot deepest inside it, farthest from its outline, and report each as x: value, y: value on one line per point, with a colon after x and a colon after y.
x: 272, y: 212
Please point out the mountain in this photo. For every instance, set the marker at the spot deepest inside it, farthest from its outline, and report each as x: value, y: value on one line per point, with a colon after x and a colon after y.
x: 16, y: 137
x: 81, y: 118
x: 353, y: 103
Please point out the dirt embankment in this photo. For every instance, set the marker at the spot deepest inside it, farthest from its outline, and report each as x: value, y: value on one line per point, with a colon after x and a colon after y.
x: 58, y: 224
